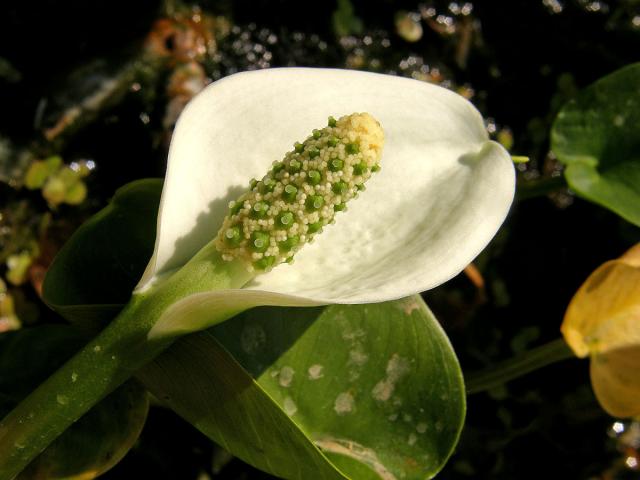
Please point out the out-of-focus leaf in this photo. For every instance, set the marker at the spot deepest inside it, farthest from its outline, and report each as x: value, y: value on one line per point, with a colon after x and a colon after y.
x: 603, y: 321
x: 40, y: 170
x: 597, y: 137
x: 344, y: 19
x: 100, y: 438
x: 95, y: 272
x: 376, y: 387
x: 8, y: 72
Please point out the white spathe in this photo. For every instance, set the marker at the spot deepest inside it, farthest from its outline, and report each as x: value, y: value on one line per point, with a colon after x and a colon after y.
x: 443, y: 191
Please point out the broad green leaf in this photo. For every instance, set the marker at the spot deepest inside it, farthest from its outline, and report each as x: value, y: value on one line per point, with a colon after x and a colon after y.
x: 94, y: 273
x: 238, y: 399
x: 376, y: 387
x: 597, y: 137
x: 98, y: 440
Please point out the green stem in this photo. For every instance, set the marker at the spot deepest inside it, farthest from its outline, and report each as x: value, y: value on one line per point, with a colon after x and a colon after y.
x: 518, y: 366
x: 540, y: 187
x: 105, y: 363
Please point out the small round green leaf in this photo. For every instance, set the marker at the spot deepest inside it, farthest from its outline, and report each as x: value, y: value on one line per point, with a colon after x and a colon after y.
x: 597, y: 137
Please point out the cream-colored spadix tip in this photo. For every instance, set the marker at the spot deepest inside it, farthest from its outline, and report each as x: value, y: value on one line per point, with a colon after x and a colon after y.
x: 301, y: 194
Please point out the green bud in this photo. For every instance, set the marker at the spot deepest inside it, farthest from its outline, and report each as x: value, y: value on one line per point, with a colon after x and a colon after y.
x: 289, y: 194
x: 335, y: 164
x: 314, y: 202
x: 260, y: 242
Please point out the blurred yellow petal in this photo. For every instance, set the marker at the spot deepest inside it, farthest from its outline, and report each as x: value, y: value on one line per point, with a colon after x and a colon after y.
x: 616, y: 381
x: 604, y: 315
x: 632, y: 256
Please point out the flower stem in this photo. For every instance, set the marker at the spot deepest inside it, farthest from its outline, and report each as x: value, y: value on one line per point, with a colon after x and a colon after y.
x: 518, y: 366
x: 105, y: 363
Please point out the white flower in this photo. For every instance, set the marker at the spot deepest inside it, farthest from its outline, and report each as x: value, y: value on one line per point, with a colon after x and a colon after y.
x: 443, y: 192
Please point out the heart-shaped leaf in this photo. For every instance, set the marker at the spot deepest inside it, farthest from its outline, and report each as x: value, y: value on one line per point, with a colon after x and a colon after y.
x: 597, y: 137
x: 376, y: 387
x: 98, y: 440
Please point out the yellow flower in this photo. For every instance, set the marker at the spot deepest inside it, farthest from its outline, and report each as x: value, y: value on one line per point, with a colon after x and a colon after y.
x: 603, y: 322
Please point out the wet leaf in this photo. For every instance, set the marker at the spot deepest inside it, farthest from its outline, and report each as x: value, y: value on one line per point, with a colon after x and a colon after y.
x: 376, y: 387
x: 98, y: 440
x: 596, y: 137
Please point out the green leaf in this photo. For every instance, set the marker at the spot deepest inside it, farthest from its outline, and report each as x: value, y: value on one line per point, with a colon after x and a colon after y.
x: 230, y: 382
x: 597, y: 137
x: 376, y: 387
x: 98, y: 440
x: 94, y: 273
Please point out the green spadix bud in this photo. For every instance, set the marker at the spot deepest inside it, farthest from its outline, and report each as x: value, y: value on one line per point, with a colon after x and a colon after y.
x: 302, y: 193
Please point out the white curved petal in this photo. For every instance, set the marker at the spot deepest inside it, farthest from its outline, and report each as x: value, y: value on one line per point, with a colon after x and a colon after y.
x: 443, y: 191
x: 203, y: 310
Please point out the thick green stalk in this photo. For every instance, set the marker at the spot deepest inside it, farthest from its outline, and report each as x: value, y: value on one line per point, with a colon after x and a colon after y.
x: 106, y: 362
x: 518, y: 366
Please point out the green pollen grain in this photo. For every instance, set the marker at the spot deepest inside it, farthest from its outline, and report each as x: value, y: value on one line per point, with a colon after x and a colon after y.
x: 314, y: 177
x: 315, y: 227
x: 264, y: 262
x: 333, y: 141
x: 340, y: 207
x: 340, y: 187
x: 266, y: 185
x: 317, y: 134
x: 294, y: 166
x: 352, y: 148
x: 332, y: 122
x: 259, y: 210
x: 278, y: 167
x: 314, y: 202
x: 259, y: 242
x: 284, y: 220
x: 289, y: 243
x: 289, y: 194
x: 376, y: 168
x: 232, y: 236
x: 299, y: 148
x: 235, y: 207
x: 336, y: 165
x: 360, y: 169
x: 313, y: 152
